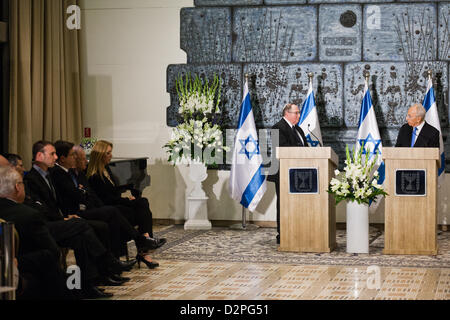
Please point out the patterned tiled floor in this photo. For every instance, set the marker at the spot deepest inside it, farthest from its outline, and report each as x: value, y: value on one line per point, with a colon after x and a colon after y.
x: 183, y: 280
x: 213, y: 275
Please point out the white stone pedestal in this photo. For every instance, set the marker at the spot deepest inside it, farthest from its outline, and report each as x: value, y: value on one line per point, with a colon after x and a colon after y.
x: 196, y: 201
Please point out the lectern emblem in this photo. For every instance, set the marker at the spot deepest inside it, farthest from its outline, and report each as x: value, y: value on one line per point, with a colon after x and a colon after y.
x: 410, y: 182
x: 303, y: 180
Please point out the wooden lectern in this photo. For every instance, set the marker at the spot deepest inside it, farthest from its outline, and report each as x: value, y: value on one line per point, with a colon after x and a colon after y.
x: 307, y: 210
x: 411, y: 205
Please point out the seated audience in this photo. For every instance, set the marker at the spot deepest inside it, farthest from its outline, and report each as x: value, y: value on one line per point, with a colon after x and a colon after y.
x: 41, y: 276
x: 94, y: 260
x: 102, y: 181
x: 74, y: 198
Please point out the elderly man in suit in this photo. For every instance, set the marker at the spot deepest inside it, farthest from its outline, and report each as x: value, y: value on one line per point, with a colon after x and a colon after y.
x: 417, y: 132
x: 290, y: 135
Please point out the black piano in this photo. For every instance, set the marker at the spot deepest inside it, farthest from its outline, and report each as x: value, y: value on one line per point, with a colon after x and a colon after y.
x: 131, y: 174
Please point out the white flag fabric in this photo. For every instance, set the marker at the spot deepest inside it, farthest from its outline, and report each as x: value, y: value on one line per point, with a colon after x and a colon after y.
x: 432, y: 117
x: 247, y: 181
x: 309, y: 120
x: 368, y: 133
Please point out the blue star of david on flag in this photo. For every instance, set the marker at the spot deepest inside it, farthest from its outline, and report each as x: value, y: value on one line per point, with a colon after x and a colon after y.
x: 244, y: 149
x: 312, y: 143
x: 364, y: 142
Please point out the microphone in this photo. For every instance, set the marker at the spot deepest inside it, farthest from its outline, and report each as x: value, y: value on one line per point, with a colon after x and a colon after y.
x: 320, y: 144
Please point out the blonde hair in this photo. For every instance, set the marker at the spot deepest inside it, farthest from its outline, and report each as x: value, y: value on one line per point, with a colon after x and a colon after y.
x: 96, y: 162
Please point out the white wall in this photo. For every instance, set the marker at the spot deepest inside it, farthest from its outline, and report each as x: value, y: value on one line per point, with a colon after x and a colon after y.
x: 126, y: 46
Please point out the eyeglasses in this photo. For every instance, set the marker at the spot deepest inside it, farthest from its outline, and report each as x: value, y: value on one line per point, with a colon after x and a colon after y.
x: 296, y: 112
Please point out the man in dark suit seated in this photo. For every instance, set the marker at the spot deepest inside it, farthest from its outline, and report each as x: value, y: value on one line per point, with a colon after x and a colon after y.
x: 70, y: 231
x: 417, y: 132
x: 16, y: 162
x: 38, y: 255
x: 290, y: 135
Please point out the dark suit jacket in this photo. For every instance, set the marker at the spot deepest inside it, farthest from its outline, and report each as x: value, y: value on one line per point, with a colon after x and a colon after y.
x: 37, y: 190
x: 93, y: 201
x: 286, y: 139
x: 69, y: 196
x: 33, y: 233
x: 106, y: 191
x: 428, y: 137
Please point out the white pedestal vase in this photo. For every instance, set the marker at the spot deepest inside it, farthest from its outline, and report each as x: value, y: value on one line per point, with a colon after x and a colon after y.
x: 357, y: 227
x: 196, y: 201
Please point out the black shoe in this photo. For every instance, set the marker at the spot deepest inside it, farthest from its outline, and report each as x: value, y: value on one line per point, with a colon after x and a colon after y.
x: 151, y: 265
x: 117, y: 265
x: 144, y: 244
x: 108, y: 281
x: 93, y: 292
x: 158, y: 242
x: 116, y: 277
x: 278, y: 239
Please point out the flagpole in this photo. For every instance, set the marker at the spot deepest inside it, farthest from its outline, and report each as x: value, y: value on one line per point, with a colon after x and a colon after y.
x: 244, y: 225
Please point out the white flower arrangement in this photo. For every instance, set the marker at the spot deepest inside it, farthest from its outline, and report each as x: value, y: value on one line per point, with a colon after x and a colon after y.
x: 197, y: 132
x: 87, y: 144
x: 357, y: 182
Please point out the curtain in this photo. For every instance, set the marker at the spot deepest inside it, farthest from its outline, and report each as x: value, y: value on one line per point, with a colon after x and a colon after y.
x: 45, y: 94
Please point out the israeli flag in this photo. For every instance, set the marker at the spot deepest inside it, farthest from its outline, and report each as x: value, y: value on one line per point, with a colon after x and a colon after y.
x: 247, y: 181
x: 309, y: 120
x: 432, y: 118
x: 368, y: 133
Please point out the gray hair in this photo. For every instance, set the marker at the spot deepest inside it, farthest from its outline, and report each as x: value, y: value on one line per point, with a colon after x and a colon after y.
x: 9, y: 177
x: 287, y: 107
x: 420, y: 110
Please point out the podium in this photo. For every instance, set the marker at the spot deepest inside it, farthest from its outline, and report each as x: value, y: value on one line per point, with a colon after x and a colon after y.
x: 307, y: 210
x: 411, y: 205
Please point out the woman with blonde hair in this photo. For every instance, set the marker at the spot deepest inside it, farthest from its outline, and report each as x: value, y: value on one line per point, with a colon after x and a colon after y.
x: 136, y: 210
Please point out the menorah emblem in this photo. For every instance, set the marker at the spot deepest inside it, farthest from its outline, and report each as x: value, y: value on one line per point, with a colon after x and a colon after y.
x: 410, y: 182
x: 303, y: 180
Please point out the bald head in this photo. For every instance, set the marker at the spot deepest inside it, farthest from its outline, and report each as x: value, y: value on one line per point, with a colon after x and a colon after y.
x: 3, y: 161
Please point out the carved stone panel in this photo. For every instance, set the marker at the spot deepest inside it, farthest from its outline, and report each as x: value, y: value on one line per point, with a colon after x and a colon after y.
x: 219, y: 3
x: 273, y: 85
x: 340, y: 33
x: 347, y: 1
x: 275, y: 34
x: 231, y: 92
x: 206, y: 34
x: 394, y: 86
x: 400, y: 32
x: 444, y: 32
x: 272, y: 2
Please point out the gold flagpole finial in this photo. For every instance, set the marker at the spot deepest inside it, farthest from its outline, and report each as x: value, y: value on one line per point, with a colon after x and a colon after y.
x: 310, y: 75
x: 366, y: 76
x: 429, y: 73
x: 246, y: 76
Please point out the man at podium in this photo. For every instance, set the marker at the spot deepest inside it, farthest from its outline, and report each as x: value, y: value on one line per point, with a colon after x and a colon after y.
x: 290, y: 135
x: 417, y: 132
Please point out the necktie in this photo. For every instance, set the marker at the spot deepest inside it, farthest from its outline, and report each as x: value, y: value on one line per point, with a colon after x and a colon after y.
x: 413, y: 137
x: 51, y: 185
x: 74, y: 179
x: 297, y: 136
